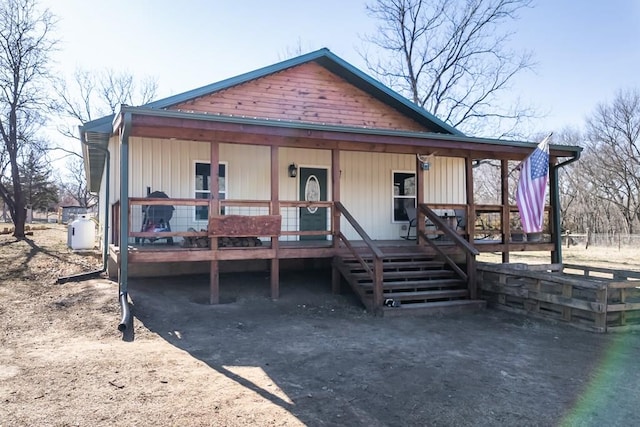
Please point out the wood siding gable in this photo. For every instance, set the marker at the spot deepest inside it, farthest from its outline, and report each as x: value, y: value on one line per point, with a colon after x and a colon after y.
x: 306, y: 93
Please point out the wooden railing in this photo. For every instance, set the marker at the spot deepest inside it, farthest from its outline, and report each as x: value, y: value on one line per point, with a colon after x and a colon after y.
x: 376, y: 273
x: 491, y: 222
x: 469, y: 276
x: 304, y: 204
x: 266, y: 206
x: 593, y: 298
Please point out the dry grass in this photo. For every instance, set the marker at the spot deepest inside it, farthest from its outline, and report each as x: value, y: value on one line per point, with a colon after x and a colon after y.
x: 595, y: 256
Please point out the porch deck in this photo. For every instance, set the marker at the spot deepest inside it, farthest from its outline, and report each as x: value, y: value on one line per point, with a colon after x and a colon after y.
x: 162, y: 252
x: 375, y: 269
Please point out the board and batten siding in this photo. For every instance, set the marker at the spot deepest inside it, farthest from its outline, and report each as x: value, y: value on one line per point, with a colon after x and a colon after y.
x: 367, y: 189
x: 306, y: 93
x: 366, y: 179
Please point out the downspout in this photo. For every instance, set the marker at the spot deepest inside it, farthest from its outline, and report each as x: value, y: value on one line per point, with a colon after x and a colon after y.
x: 557, y: 258
x: 124, y: 223
x: 105, y: 243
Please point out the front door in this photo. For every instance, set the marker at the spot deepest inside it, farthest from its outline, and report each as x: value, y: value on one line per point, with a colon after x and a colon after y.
x: 313, y: 188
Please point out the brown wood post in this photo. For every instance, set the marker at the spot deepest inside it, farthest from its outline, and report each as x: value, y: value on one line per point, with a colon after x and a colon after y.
x: 420, y: 219
x: 471, y: 207
x: 506, y: 211
x: 377, y: 286
x: 336, y: 175
x: 472, y: 284
x: 275, y: 210
x: 472, y: 280
x: 214, y: 209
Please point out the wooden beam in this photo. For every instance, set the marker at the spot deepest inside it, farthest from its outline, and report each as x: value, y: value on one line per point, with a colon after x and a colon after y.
x: 244, y: 225
x: 261, y: 134
x: 420, y: 221
x: 214, y: 209
x: 336, y: 174
x: 275, y: 212
x: 471, y: 206
x: 504, y: 198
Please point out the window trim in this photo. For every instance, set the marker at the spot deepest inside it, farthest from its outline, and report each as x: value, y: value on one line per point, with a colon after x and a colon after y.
x: 195, y: 191
x: 394, y: 197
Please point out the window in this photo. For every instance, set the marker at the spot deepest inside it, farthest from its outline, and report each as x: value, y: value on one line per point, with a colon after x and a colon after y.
x: 203, y: 187
x: 404, y: 194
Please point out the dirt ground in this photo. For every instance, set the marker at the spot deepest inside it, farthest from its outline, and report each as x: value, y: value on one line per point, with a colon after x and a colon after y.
x: 310, y: 358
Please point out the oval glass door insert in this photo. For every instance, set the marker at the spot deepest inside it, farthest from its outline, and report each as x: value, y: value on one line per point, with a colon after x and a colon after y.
x: 312, y: 192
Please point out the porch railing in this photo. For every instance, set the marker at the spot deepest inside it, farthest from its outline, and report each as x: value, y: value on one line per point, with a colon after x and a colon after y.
x: 376, y: 273
x: 469, y: 276
x: 190, y: 217
x: 497, y: 223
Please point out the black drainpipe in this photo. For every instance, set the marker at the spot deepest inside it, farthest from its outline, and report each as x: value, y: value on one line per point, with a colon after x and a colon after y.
x: 123, y: 298
x: 123, y: 276
x: 556, y: 217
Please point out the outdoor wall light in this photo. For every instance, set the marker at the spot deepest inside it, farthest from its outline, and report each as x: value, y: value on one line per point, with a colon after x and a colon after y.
x: 293, y: 170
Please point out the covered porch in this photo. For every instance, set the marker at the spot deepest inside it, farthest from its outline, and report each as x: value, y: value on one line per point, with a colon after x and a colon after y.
x: 266, y: 229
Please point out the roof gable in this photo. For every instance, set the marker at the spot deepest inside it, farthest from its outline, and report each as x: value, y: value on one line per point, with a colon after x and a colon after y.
x: 340, y: 68
x: 305, y: 93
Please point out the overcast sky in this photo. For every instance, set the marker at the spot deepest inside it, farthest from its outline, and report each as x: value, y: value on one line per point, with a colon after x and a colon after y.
x: 585, y: 50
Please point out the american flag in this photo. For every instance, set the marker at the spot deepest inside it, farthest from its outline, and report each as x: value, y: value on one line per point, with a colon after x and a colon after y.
x: 532, y: 188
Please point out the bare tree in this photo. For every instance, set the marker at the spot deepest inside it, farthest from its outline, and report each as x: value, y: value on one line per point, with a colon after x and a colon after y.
x: 40, y: 192
x: 613, y: 135
x: 89, y: 96
x: 74, y: 184
x: 94, y: 94
x: 452, y: 58
x: 25, y: 46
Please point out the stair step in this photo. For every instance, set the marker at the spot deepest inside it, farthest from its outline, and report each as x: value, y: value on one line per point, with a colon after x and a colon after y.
x: 438, y: 307
x: 395, y: 258
x: 407, y: 274
x: 427, y: 295
x: 418, y: 284
x: 424, y: 265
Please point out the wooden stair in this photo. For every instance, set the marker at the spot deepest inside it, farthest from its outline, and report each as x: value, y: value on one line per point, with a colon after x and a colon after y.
x: 412, y: 284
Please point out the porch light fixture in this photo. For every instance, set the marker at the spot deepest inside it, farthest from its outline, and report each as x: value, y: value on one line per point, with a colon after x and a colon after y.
x: 293, y: 170
x: 425, y: 161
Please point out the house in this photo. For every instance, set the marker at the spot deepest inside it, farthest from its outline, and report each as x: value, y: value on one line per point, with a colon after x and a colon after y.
x: 307, y: 159
x: 69, y: 212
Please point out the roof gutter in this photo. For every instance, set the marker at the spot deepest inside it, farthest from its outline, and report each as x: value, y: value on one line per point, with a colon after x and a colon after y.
x: 123, y: 285
x: 105, y: 243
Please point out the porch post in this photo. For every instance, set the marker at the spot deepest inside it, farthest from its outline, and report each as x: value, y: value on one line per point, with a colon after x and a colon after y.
x: 471, y: 206
x: 214, y: 209
x: 420, y: 226
x: 472, y: 284
x: 554, y: 219
x: 123, y: 271
x: 506, y: 209
x: 275, y: 210
x: 335, y: 216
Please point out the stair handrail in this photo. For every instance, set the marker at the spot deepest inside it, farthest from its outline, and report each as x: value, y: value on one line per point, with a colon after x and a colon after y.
x: 469, y: 250
x: 376, y: 273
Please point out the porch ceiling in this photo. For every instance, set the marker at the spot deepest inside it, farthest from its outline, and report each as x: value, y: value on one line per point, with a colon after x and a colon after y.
x: 243, y: 130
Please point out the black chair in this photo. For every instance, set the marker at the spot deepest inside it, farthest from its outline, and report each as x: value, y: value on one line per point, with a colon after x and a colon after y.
x: 461, y: 219
x: 412, y: 216
x: 156, y: 218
